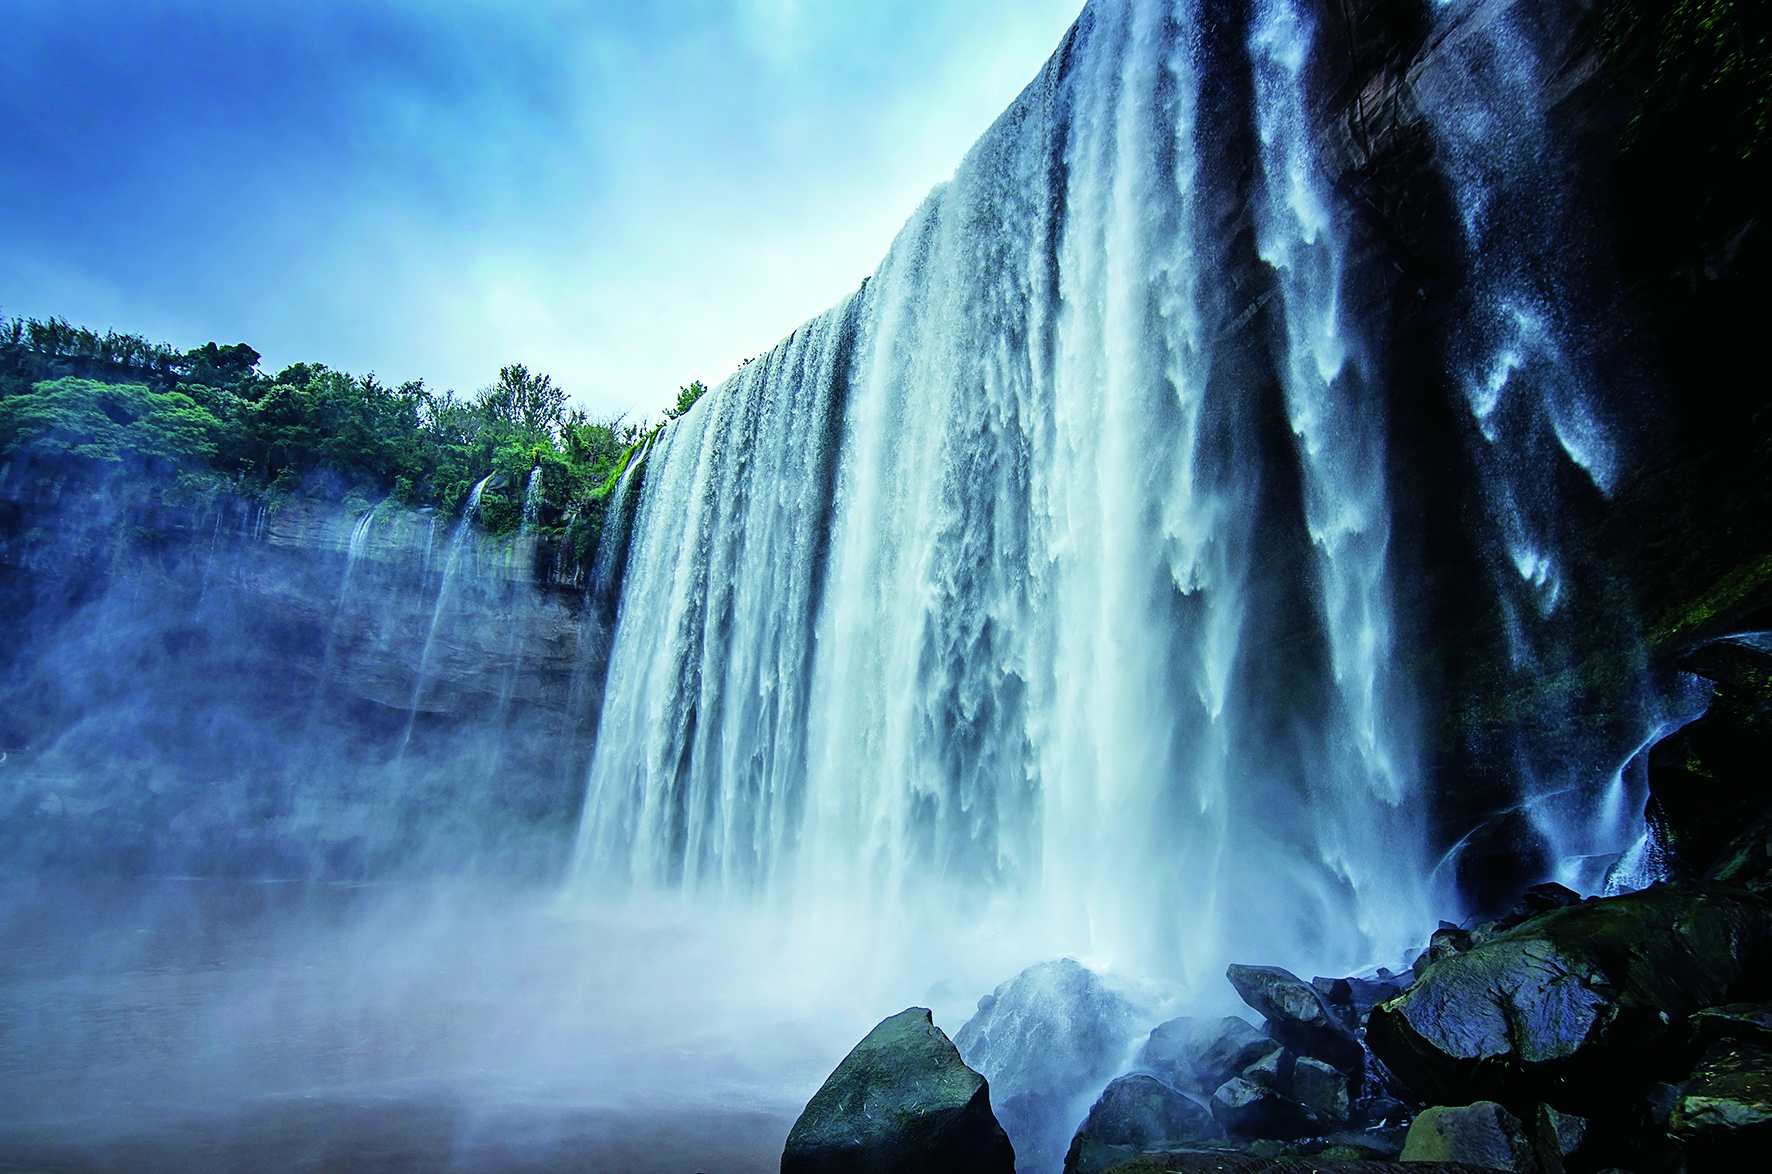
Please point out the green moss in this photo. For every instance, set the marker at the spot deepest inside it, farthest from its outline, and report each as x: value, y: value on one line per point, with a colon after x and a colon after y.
x: 1691, y: 46
x: 1748, y: 576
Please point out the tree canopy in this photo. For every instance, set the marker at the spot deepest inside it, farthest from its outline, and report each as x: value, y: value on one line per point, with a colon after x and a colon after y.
x: 110, y: 401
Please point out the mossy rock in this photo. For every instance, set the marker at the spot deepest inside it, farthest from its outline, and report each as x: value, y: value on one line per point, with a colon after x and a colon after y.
x: 901, y: 1100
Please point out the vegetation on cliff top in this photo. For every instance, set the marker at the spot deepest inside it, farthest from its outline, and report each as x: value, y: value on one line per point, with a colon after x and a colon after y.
x: 208, y: 421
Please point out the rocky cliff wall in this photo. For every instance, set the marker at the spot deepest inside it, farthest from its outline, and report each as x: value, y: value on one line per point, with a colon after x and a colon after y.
x: 284, y: 689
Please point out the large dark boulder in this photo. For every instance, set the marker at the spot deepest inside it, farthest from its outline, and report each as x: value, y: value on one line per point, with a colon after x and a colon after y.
x: 1133, y: 1114
x: 901, y: 1102
x: 1048, y: 1040
x: 1297, y: 1014
x: 1579, y: 1003
x: 1327, y: 1093
x: 1250, y: 1110
x: 1205, y: 1162
x: 1710, y: 779
x: 1141, y: 1110
x: 1723, y: 1112
x: 1751, y: 1023
x: 1556, y: 1137
x: 1746, y: 862
x: 1200, y: 1054
x: 1483, y: 1134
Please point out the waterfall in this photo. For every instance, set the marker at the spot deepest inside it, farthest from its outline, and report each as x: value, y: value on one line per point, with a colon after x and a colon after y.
x: 452, y: 569
x: 1551, y: 442
x: 532, y: 499
x: 1337, y: 420
x: 1044, y: 579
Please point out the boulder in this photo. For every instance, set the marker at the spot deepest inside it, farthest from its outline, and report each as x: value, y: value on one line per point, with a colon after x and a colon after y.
x: 1446, y: 941
x: 1297, y: 1014
x: 1249, y: 1110
x: 1089, y: 1156
x: 901, y: 1100
x: 1141, y: 1110
x: 1372, y: 1145
x: 1048, y: 1040
x: 1133, y: 1114
x: 1723, y: 1112
x: 1577, y: 1003
x: 1483, y: 1134
x: 1322, y: 1090
x: 1198, y: 1055
x: 1751, y: 1023
x: 1198, y: 1162
x: 1354, y: 997
x: 1273, y: 1070
x: 1708, y: 780
x: 1534, y: 901
x: 1556, y: 1136
x: 1747, y: 861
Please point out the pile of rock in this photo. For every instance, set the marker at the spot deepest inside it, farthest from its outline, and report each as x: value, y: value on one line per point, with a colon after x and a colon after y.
x: 1570, y: 1036
x: 1619, y: 1032
x: 1302, y: 1085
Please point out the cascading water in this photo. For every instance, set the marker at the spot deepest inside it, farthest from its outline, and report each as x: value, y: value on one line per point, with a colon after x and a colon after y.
x: 452, y: 566
x: 1552, y: 439
x: 1043, y: 580
x: 532, y: 498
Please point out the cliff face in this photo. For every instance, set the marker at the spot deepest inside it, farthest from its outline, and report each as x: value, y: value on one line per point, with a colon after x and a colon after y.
x: 304, y: 690
x: 1637, y: 197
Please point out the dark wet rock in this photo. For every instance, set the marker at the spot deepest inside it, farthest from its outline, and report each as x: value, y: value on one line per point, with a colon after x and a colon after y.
x: 1247, y: 1109
x: 1383, y: 1098
x: 1089, y: 1156
x: 1499, y: 858
x: 1710, y: 779
x: 1198, y: 1055
x: 1578, y: 1003
x: 1135, y: 1113
x: 1482, y: 1134
x: 1206, y: 1162
x: 1751, y: 1023
x: 1555, y: 1137
x: 1297, y: 1014
x: 1536, y: 900
x: 902, y: 1100
x: 1747, y: 861
x: 1362, y: 994
x: 1723, y: 1112
x: 1141, y: 1110
x: 1273, y: 1070
x: 1659, y: 1098
x: 1447, y: 941
x: 1322, y: 1090
x: 1369, y: 1144
x: 1048, y: 1040
x: 1382, y: 1109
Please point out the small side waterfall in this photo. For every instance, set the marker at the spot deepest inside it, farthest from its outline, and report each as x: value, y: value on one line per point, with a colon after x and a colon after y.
x: 452, y: 568
x: 1337, y: 418
x: 532, y: 499
x: 1551, y: 413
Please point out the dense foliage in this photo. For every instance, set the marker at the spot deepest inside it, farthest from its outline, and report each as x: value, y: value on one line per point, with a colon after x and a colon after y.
x: 208, y: 420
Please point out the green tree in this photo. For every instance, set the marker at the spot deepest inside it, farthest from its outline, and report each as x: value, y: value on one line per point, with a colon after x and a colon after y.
x: 524, y: 404
x: 108, y: 423
x: 686, y: 397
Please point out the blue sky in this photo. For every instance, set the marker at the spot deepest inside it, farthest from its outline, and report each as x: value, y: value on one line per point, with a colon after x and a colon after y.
x: 626, y: 195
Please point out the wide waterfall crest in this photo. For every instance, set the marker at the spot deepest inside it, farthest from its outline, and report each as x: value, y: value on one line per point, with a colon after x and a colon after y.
x: 1045, y: 578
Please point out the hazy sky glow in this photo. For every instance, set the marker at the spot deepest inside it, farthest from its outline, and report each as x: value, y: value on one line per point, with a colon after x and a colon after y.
x: 629, y: 195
